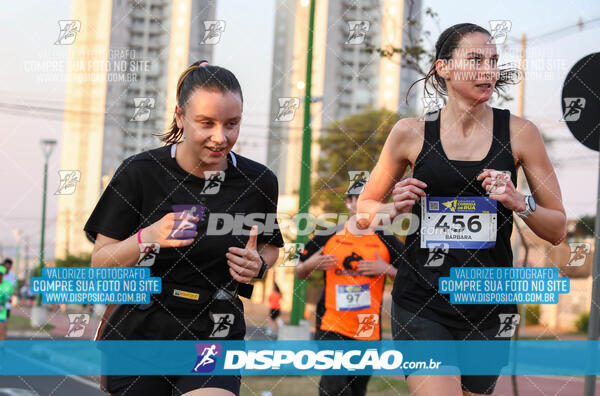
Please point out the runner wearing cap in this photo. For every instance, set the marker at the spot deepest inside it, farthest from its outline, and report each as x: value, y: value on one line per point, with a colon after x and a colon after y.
x: 350, y: 307
x: 459, y: 155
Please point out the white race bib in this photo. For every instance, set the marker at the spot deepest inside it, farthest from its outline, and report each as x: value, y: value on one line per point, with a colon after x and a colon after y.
x: 459, y: 222
x: 352, y: 297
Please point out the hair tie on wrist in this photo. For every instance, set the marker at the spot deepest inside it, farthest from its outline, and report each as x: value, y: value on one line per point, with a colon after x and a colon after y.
x: 139, y: 236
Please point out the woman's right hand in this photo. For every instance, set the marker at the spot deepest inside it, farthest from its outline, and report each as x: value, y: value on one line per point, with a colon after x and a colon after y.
x: 405, y: 195
x: 175, y: 229
x: 317, y: 262
x: 321, y: 262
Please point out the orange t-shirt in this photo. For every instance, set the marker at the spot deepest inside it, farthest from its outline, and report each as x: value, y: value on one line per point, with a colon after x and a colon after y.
x: 353, y: 300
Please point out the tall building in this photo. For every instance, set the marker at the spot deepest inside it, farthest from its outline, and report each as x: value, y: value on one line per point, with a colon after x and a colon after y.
x: 132, y: 53
x: 346, y: 77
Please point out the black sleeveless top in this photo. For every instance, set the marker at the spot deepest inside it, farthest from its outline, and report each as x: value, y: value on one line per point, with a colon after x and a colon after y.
x: 416, y: 285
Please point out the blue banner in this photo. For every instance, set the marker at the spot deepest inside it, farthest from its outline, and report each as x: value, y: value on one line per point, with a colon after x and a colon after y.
x: 299, y: 357
x: 107, y: 285
x: 499, y: 285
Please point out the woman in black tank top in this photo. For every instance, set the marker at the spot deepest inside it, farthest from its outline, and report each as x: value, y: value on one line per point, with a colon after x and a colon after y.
x: 455, y: 155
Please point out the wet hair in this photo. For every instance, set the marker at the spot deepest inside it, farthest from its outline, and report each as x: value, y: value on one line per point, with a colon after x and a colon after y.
x: 448, y: 41
x: 199, y: 75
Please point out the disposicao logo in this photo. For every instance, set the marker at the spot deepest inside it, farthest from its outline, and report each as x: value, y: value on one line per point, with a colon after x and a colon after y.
x: 307, y: 359
x: 207, y: 357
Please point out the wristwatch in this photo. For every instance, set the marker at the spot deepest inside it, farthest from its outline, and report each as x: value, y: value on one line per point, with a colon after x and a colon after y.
x: 263, y: 268
x: 529, y: 207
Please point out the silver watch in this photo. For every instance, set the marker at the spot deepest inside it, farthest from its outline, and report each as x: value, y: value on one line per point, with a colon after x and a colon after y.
x: 529, y: 207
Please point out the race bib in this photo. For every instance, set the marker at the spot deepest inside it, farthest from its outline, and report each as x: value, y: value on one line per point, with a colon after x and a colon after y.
x: 459, y: 222
x: 352, y: 297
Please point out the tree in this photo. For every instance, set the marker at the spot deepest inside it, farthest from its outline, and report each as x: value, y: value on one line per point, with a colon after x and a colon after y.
x: 415, y: 55
x: 353, y: 143
x: 585, y: 226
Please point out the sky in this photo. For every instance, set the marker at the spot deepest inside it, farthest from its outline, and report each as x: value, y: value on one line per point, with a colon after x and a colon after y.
x: 28, y: 29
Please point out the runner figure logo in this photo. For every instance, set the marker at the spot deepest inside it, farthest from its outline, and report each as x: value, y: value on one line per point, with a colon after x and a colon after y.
x: 212, y: 32
x: 366, y: 325
x: 207, y: 357
x: 68, y: 31
x: 431, y: 105
x: 291, y: 254
x: 68, y: 181
x: 148, y: 252
x: 579, y: 252
x: 450, y: 205
x: 573, y: 109
x: 222, y: 323
x: 499, y: 30
x: 437, y: 254
x: 213, y: 182
x: 357, y: 32
x: 508, y: 324
x: 142, y: 109
x: 77, y: 324
x: 358, y: 179
x: 287, y: 109
x: 184, y: 223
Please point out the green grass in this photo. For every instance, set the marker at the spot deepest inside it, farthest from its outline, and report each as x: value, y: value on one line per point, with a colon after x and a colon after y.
x: 309, y: 385
x: 22, y: 323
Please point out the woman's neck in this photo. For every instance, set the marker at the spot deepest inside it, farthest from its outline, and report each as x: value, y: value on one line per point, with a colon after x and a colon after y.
x: 191, y: 164
x: 465, y: 115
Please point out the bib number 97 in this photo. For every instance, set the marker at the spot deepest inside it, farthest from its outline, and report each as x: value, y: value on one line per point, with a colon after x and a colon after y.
x: 352, y: 297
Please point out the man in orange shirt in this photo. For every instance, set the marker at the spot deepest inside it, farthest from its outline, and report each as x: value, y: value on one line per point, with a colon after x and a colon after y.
x: 355, y: 268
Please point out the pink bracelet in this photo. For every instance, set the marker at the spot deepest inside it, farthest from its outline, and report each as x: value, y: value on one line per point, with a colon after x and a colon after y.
x: 139, y: 236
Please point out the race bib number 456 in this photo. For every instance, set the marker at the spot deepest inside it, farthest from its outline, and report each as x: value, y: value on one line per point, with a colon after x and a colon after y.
x: 460, y: 222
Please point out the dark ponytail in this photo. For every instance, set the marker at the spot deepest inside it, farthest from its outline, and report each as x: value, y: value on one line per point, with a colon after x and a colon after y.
x: 448, y: 41
x: 199, y: 75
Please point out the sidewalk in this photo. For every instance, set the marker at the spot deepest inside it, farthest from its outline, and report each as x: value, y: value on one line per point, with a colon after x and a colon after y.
x: 58, y: 319
x: 256, y: 319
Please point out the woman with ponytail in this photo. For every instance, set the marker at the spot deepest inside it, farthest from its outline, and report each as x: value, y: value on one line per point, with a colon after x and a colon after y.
x: 158, y: 211
x: 464, y: 160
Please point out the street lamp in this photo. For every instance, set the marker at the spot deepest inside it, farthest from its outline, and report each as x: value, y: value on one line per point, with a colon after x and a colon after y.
x: 47, y: 147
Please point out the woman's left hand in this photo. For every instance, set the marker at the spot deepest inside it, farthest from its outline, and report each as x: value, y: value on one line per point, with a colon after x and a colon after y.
x: 244, y: 264
x: 510, y: 197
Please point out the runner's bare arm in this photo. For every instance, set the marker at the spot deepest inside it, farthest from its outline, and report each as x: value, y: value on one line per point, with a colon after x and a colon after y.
x: 392, y: 163
x: 549, y: 220
x: 110, y: 252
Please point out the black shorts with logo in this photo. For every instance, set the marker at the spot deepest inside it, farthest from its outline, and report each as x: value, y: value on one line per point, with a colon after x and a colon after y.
x: 407, y: 325
x: 174, y: 318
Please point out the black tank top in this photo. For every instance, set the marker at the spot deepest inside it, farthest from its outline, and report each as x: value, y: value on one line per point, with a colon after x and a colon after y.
x: 416, y: 285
